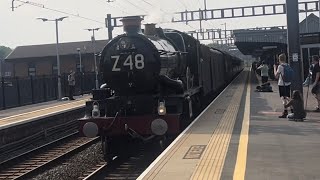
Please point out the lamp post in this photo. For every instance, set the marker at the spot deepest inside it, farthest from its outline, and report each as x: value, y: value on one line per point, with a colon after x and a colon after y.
x: 1, y: 69
x: 293, y: 41
x: 225, y: 32
x: 94, y: 54
x: 205, y: 8
x: 81, y: 74
x: 57, y: 51
x: 79, y: 52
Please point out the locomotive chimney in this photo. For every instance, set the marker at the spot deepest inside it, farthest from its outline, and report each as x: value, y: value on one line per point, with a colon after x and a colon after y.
x: 150, y: 29
x: 132, y: 24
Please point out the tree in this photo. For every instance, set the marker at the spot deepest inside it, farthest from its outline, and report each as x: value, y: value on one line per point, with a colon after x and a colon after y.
x: 4, y: 51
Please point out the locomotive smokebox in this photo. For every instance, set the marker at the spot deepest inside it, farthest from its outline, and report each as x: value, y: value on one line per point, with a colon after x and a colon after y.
x: 150, y: 29
x: 132, y: 24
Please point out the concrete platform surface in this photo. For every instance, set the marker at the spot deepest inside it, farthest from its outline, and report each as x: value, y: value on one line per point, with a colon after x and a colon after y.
x: 239, y: 136
x: 278, y: 148
x: 16, y: 116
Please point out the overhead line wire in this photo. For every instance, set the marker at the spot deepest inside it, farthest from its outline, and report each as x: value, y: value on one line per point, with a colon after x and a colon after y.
x: 59, y: 11
x: 115, y: 6
x: 125, y: 5
x: 183, y: 4
x: 199, y: 3
x: 147, y: 2
x: 155, y: 6
x: 136, y: 6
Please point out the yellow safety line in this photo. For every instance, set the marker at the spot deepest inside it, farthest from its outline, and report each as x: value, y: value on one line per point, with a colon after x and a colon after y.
x: 240, y: 168
x: 165, y: 156
x: 212, y: 161
x: 22, y: 114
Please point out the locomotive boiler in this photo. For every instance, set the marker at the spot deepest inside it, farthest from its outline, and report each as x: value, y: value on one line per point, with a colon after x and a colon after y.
x: 156, y: 81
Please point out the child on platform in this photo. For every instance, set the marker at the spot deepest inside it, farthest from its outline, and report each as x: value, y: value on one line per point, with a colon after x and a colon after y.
x: 296, y: 103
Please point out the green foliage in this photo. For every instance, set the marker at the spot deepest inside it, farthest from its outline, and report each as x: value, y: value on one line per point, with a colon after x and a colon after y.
x: 4, y: 51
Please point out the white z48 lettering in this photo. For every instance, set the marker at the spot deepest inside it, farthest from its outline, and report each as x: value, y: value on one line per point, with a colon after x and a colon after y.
x: 132, y: 61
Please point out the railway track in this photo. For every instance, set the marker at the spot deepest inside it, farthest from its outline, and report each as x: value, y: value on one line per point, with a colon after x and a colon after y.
x: 35, y: 161
x: 127, y: 167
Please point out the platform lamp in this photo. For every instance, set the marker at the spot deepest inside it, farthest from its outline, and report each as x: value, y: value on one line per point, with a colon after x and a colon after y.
x: 94, y: 53
x: 57, y: 51
x: 81, y: 73
x: 225, y: 32
x: 79, y: 52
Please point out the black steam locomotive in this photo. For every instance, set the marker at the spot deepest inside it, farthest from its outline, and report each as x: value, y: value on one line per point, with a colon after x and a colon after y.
x: 156, y: 82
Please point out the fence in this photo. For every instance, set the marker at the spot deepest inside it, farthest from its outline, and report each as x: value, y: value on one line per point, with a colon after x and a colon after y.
x: 16, y: 91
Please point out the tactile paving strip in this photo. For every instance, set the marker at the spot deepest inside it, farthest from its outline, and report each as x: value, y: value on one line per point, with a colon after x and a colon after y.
x: 212, y: 161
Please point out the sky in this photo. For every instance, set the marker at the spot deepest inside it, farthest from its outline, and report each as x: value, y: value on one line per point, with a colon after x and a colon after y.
x: 21, y: 27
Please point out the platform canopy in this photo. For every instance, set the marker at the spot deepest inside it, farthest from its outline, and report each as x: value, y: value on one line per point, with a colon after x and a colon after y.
x: 258, y: 41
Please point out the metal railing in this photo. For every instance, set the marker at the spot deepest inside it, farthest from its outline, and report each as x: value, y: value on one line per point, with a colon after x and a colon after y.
x: 20, y: 91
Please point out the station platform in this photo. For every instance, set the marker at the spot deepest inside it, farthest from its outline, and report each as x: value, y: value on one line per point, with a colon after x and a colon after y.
x: 24, y: 114
x: 239, y: 136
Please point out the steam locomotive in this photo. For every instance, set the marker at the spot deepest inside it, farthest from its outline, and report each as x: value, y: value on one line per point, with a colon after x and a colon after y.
x: 156, y: 82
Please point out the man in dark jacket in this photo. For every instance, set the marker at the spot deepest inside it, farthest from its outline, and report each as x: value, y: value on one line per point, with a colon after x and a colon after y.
x: 72, y: 83
x: 316, y: 79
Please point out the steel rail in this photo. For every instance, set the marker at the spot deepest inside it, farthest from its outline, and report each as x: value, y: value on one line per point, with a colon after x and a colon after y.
x: 39, y: 159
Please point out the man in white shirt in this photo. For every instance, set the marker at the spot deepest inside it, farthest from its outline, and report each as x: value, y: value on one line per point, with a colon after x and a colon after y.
x: 264, y: 72
x: 284, y: 87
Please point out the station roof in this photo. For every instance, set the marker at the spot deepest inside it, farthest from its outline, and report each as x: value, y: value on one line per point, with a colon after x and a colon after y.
x: 257, y: 41
x: 48, y: 50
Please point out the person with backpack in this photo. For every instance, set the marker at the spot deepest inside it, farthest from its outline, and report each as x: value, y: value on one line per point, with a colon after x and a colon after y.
x: 283, y: 73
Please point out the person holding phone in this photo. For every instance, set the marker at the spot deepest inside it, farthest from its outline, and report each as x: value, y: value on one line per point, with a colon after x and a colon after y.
x: 284, y: 87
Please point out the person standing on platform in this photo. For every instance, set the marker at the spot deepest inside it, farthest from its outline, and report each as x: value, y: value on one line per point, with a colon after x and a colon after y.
x: 316, y: 79
x: 284, y: 87
x: 308, y: 80
x: 72, y: 83
x: 264, y: 72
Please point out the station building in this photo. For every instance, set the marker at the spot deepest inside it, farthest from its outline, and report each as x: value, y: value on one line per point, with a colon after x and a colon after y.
x: 38, y: 60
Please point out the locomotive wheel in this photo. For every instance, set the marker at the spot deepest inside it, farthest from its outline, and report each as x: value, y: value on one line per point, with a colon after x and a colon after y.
x: 116, y: 147
x: 185, y: 116
x: 105, y: 144
x: 196, y: 105
x: 163, y: 142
